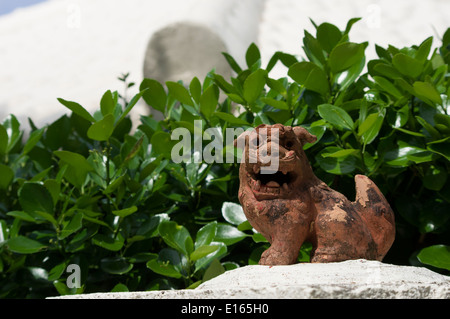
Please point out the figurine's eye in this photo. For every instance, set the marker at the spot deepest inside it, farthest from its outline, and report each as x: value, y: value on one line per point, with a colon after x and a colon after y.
x: 289, y: 144
x: 255, y: 141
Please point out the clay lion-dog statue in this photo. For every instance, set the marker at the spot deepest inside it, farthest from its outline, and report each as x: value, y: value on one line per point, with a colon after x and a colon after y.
x: 290, y: 205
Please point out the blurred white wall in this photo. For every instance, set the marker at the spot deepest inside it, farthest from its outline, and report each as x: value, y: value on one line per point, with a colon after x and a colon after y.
x: 76, y: 49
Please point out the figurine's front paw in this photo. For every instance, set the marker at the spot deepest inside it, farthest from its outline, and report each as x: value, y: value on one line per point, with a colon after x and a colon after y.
x: 273, y: 257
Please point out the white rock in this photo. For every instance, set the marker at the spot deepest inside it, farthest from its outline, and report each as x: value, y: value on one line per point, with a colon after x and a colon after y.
x: 349, y: 279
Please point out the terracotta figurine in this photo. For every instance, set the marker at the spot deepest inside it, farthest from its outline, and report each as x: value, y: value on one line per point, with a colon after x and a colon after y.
x: 291, y: 205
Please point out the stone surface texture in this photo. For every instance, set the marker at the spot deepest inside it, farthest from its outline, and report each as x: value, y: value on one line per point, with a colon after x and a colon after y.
x: 360, y: 279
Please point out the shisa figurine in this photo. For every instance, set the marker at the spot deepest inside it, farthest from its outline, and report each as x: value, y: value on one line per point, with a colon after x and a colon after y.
x: 290, y: 205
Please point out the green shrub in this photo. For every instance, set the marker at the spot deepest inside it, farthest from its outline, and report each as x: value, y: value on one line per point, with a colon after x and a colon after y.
x: 90, y: 191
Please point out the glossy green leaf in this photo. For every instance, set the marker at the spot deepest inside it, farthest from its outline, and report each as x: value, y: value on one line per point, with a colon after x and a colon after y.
x: 125, y: 212
x: 176, y: 236
x: 437, y: 256
x: 4, y: 139
x: 179, y: 92
x: 102, y: 130
x: 252, y: 55
x: 232, y: 62
x: 426, y: 91
x: 206, y: 234
x: 230, y: 118
x: 78, y: 109
x: 208, y: 101
x: 215, y: 269
x: 311, y: 76
x: 24, y: 245
x: 33, y: 139
x: 195, y: 89
x: 107, y: 103
x: 387, y: 86
x: 6, y: 176
x: 108, y: 242
x: 435, y: 177
x: 163, y: 268
x: 424, y: 49
x: 345, y: 55
x: 34, y: 197
x: 155, y: 96
x: 229, y: 235
x: 336, y: 116
x: 130, y: 106
x: 218, y: 253
x: 369, y: 129
x: 116, y: 265
x: 407, y: 65
x: 328, y: 36
x: 202, y: 251
x: 253, y: 85
x: 73, y: 225
x: 162, y: 144
x: 336, y: 165
x: 233, y: 213
x: 77, y: 169
x: 12, y: 127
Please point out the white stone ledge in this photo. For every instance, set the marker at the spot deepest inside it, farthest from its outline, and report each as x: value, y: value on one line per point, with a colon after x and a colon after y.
x: 360, y: 279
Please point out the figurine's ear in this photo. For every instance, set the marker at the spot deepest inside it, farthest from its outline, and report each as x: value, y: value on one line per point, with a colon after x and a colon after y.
x: 303, y: 135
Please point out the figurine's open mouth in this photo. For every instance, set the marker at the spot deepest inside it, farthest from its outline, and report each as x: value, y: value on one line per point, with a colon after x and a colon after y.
x: 269, y: 186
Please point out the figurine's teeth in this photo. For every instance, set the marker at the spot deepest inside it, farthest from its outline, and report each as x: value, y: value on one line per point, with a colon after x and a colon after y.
x: 258, y: 185
x: 285, y: 187
x: 272, y: 184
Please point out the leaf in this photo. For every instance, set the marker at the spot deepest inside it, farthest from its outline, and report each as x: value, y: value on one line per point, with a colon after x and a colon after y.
x: 206, y: 234
x: 108, y: 242
x: 233, y: 213
x: 102, y: 130
x: 3, y: 140
x: 232, y: 62
x: 24, y: 245
x: 162, y: 144
x: 230, y: 118
x: 407, y: 65
x: 163, y: 268
x: 278, y: 104
x: 209, y: 100
x: 424, y: 50
x: 107, y: 103
x: 12, y: 127
x: 435, y: 177
x: 155, y: 96
x: 179, y: 92
x: 253, y: 85
x: 336, y: 116
x: 205, y: 261
x: 34, y: 197
x: 311, y: 76
x: 426, y: 91
x: 229, y: 235
x: 328, y: 36
x: 336, y: 165
x: 202, y: 251
x: 215, y: 269
x: 116, y: 265
x: 437, y: 256
x: 252, y: 55
x: 130, y: 106
x: 72, y: 226
x: 77, y: 109
x: 6, y: 176
x: 78, y: 167
x: 176, y: 236
x: 33, y: 139
x: 339, y: 153
x: 388, y: 86
x: 345, y: 55
x: 125, y: 212
x: 369, y: 129
x: 195, y: 89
